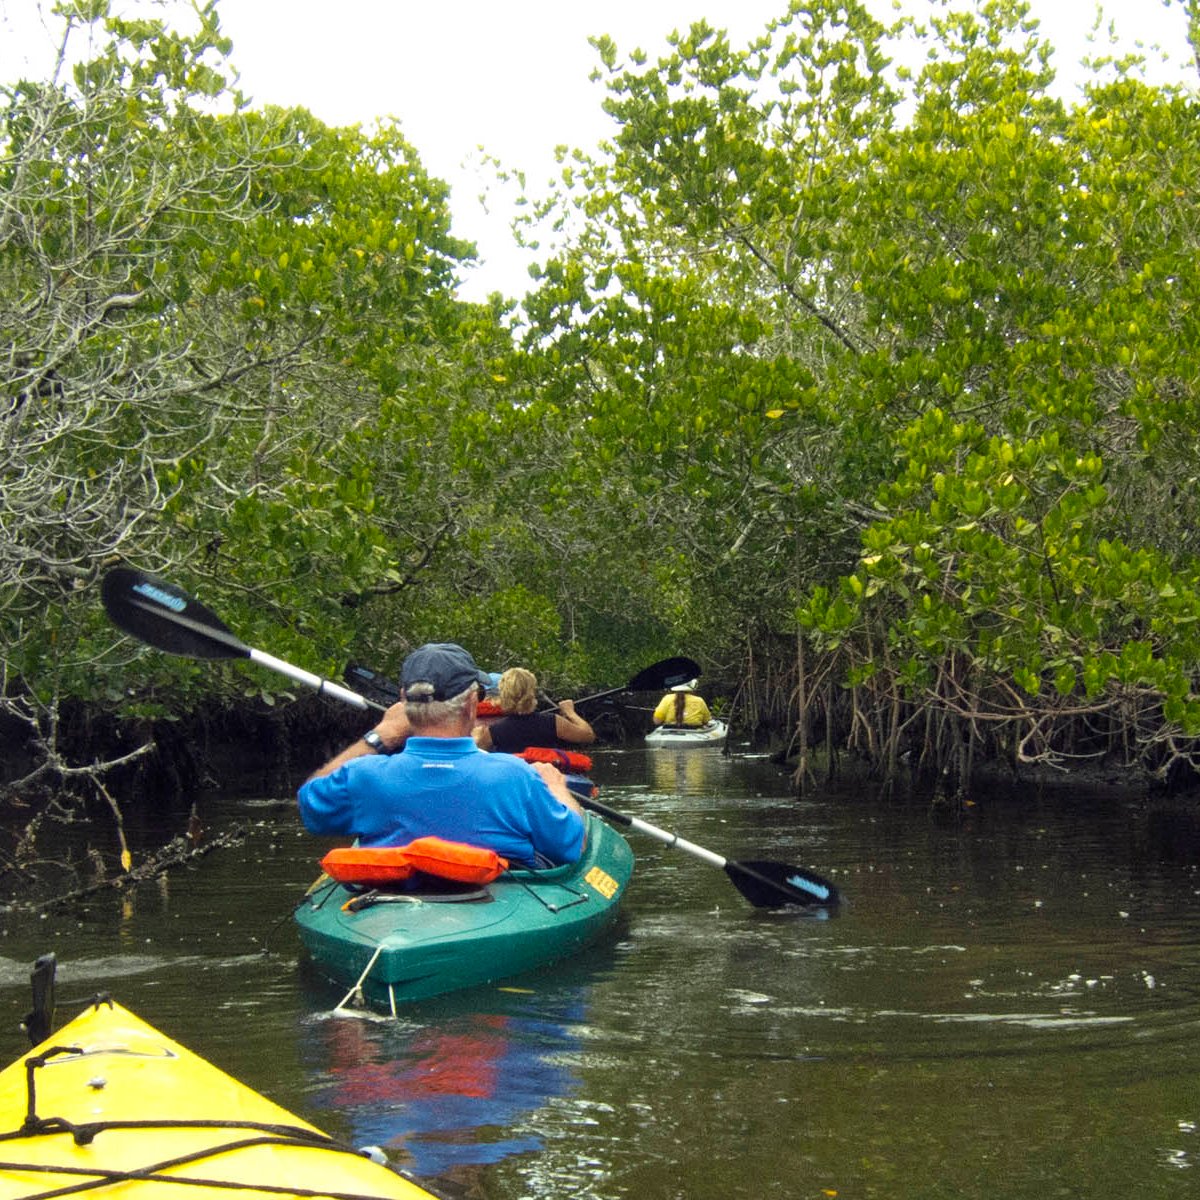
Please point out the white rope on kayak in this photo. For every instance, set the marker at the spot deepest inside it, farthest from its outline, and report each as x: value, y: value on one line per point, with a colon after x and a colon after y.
x: 356, y: 992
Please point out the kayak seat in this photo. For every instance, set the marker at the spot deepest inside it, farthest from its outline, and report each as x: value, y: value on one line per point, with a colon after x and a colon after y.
x: 427, y: 890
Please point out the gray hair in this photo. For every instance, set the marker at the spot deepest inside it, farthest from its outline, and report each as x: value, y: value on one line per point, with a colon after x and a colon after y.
x: 426, y: 713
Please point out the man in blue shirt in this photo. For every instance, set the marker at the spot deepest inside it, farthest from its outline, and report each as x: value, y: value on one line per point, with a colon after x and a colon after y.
x: 442, y: 783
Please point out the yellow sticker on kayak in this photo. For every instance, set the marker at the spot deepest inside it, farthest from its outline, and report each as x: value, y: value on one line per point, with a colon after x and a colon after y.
x: 604, y: 883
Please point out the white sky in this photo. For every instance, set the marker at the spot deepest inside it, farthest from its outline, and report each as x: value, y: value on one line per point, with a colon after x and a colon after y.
x: 510, y: 77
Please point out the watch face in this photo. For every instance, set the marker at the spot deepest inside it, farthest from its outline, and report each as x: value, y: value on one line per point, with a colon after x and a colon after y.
x: 373, y: 740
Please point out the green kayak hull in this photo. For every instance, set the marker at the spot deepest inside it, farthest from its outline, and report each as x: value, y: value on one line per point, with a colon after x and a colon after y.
x: 392, y: 948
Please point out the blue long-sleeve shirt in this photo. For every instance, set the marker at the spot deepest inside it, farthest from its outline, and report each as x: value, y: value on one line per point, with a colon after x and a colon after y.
x: 450, y: 788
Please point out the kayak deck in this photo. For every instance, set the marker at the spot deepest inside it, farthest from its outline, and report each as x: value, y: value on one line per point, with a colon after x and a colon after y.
x: 394, y: 947
x: 675, y: 736
x: 108, y: 1106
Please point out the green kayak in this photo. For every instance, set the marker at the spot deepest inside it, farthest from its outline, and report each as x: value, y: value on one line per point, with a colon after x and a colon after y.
x: 390, y: 947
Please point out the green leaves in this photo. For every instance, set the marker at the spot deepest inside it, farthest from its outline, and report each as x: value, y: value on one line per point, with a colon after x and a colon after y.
x: 205, y: 309
x: 902, y: 362
x: 958, y: 434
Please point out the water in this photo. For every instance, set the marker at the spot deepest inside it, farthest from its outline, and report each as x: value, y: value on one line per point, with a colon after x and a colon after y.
x: 1007, y: 1007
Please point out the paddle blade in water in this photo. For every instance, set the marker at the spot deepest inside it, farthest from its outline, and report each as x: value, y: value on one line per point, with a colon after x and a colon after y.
x: 39, y: 1023
x: 166, y: 617
x: 768, y: 884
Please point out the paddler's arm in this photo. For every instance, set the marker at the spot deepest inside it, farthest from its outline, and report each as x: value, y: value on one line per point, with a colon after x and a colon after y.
x: 569, y: 726
x: 556, y: 781
x: 393, y: 730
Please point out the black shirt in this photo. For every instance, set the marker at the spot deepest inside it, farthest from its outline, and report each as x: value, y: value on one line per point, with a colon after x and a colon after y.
x: 517, y: 732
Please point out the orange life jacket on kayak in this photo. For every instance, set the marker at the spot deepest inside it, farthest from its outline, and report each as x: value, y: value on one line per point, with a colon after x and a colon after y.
x: 565, y: 760
x: 393, y: 864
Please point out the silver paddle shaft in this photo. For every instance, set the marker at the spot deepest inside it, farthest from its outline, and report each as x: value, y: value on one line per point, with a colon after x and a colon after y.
x: 325, y: 687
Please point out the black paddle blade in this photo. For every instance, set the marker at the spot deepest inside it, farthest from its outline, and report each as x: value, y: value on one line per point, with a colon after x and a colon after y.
x: 166, y: 617
x: 768, y: 884
x: 371, y: 684
x: 668, y: 673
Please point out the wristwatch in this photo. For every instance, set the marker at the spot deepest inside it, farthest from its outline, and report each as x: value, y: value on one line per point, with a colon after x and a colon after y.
x: 374, y: 741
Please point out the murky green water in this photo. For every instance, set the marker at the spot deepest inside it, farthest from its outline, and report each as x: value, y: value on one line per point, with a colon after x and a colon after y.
x: 1008, y: 1008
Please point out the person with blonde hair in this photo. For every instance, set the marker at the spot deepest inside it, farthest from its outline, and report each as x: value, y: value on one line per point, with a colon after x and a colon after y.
x: 522, y: 726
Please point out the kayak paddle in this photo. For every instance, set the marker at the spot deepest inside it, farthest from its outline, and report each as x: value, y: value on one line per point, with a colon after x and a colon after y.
x: 166, y: 617
x: 764, y: 882
x: 666, y: 673
x: 372, y: 684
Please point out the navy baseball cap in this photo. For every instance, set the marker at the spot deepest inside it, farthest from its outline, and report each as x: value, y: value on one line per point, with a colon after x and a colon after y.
x: 445, y: 666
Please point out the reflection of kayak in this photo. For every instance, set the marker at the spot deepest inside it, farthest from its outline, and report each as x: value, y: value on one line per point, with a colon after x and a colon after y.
x: 396, y: 946
x: 116, y: 1109
x: 678, y: 736
x: 458, y: 1083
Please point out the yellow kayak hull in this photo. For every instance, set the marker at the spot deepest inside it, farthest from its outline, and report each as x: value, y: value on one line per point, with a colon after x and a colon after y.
x: 113, y: 1097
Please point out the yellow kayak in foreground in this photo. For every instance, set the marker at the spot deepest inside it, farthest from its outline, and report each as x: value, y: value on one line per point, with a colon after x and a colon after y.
x: 109, y: 1107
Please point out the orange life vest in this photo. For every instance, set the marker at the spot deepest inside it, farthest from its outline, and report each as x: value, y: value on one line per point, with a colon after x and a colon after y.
x: 564, y: 760
x: 393, y: 864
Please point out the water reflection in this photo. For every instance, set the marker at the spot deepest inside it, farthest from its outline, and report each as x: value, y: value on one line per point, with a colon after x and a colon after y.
x: 1007, y: 1009
x: 699, y: 771
x: 455, y: 1085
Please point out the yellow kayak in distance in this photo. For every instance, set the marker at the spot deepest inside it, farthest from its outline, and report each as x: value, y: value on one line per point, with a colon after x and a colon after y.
x: 109, y: 1107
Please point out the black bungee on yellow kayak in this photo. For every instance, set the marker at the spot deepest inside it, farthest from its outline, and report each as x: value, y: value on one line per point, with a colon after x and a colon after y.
x: 109, y: 1107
